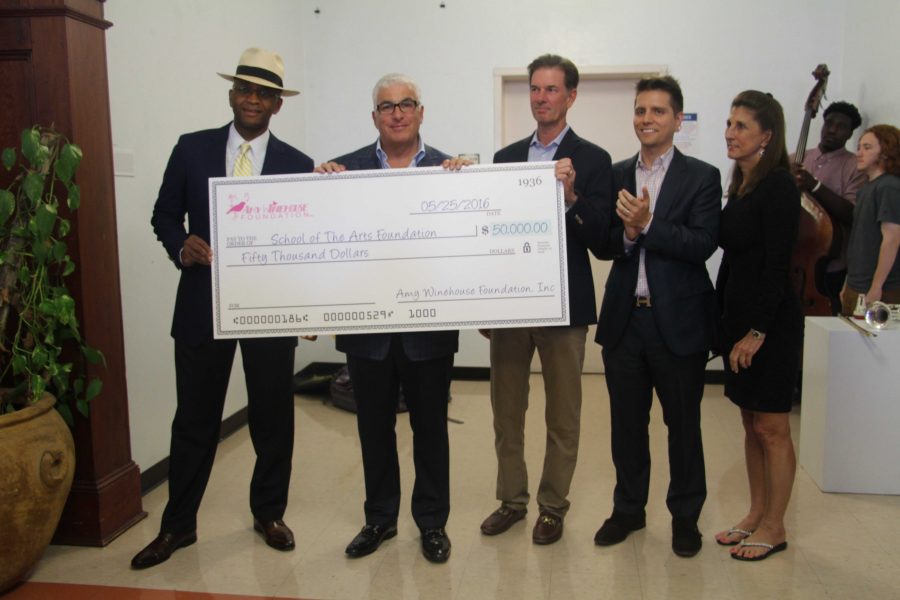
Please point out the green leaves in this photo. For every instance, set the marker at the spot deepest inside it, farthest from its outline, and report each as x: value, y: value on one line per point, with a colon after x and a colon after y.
x: 68, y: 160
x: 33, y: 186
x: 19, y: 364
x: 38, y: 385
x: 42, y: 347
x: 86, y: 395
x: 74, y: 197
x: 44, y: 220
x: 68, y: 266
x: 9, y: 158
x: 93, y: 389
x: 93, y: 355
x: 60, y: 308
x: 39, y: 357
x: 58, y: 251
x: 31, y: 145
x: 7, y: 205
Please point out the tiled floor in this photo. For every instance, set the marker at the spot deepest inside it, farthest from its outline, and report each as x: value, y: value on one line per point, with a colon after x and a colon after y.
x: 36, y: 590
x: 841, y: 546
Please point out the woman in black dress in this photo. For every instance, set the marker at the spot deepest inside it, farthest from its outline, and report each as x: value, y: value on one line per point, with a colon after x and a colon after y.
x: 760, y: 315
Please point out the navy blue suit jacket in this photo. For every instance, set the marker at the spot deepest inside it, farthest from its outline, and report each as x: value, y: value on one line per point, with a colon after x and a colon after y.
x: 587, y: 221
x: 683, y: 234
x: 185, y: 193
x: 423, y: 345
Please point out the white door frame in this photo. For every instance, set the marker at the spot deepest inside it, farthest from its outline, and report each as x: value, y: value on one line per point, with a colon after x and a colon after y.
x: 593, y: 72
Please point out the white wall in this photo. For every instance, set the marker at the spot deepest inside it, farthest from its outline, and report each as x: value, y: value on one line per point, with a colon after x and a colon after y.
x: 871, y: 57
x: 716, y: 48
x: 162, y: 57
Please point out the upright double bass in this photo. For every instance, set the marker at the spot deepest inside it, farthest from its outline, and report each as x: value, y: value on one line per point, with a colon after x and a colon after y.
x: 819, y: 236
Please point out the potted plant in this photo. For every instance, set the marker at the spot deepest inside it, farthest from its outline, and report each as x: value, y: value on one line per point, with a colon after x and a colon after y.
x: 42, y: 353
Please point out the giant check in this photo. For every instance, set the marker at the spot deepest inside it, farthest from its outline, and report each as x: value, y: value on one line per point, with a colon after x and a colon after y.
x: 388, y: 250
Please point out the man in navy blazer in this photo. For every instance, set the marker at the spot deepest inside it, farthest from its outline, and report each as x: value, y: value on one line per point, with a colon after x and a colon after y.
x: 421, y: 362
x: 202, y: 364
x: 584, y: 169
x: 656, y: 322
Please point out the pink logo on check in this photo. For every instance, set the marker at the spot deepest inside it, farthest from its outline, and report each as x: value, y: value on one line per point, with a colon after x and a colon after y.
x: 245, y: 208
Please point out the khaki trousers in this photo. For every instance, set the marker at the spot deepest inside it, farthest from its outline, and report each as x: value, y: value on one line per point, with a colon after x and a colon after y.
x: 561, y: 350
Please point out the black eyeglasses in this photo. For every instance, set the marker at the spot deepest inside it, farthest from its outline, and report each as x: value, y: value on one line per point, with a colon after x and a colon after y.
x: 263, y: 93
x: 406, y: 105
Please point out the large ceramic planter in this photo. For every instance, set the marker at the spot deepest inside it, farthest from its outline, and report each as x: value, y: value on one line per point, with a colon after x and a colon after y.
x: 37, y: 462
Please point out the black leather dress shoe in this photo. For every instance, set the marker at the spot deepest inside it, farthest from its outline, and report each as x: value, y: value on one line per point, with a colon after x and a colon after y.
x: 686, y: 540
x: 368, y: 540
x: 160, y: 549
x: 435, y: 545
x: 617, y: 527
x: 276, y: 533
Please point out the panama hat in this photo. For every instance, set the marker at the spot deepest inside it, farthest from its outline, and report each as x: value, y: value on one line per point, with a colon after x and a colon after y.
x: 262, y: 68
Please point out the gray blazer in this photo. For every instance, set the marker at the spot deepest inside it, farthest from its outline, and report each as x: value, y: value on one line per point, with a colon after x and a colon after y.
x: 426, y: 345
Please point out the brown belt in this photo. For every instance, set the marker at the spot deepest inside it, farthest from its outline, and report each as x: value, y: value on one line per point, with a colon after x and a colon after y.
x: 642, y: 302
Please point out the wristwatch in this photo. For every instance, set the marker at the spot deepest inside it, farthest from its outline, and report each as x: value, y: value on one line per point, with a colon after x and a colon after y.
x: 757, y: 335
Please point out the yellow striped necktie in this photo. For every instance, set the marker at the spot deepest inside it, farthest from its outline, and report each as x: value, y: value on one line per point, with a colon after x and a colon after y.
x: 242, y: 166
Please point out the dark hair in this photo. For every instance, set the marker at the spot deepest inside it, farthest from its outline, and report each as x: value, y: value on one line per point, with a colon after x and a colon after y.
x: 666, y: 84
x: 888, y: 138
x: 768, y: 114
x: 844, y: 108
x: 552, y: 61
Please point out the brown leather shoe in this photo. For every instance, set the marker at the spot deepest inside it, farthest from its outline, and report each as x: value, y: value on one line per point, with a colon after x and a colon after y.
x: 276, y: 533
x: 548, y: 529
x: 160, y: 549
x: 502, y: 519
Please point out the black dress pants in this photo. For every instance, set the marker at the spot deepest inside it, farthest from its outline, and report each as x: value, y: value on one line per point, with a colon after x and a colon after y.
x: 426, y: 385
x: 640, y: 362
x: 201, y: 374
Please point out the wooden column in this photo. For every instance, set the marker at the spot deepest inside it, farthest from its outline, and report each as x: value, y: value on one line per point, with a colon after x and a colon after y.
x: 53, y: 69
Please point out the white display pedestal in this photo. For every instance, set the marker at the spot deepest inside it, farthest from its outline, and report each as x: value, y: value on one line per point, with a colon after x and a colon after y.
x: 850, y: 412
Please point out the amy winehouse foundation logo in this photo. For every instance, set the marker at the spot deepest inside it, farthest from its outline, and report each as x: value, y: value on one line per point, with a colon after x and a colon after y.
x: 243, y: 208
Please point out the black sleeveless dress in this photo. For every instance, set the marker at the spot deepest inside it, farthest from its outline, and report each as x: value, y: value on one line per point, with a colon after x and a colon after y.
x: 758, y: 232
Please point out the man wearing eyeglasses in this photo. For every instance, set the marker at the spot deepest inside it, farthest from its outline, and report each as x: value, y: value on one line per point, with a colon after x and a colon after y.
x: 245, y: 147
x: 421, y: 362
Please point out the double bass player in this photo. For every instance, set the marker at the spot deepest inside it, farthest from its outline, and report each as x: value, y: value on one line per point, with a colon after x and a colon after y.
x: 828, y: 173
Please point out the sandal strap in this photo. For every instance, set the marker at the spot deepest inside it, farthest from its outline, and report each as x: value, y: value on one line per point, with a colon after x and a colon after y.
x: 758, y: 545
x: 743, y: 532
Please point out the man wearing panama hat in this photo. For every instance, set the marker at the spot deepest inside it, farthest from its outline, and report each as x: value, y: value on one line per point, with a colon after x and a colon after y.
x: 244, y: 147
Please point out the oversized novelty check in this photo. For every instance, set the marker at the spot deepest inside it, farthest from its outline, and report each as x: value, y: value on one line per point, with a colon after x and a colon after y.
x: 388, y: 250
